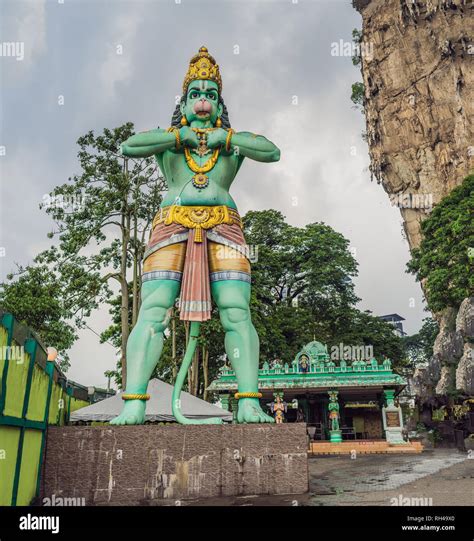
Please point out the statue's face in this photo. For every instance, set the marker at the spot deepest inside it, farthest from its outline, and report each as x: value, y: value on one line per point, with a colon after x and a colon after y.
x: 202, y: 102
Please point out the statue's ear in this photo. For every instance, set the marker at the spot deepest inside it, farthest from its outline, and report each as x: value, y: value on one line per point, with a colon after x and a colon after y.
x: 220, y: 109
x: 182, y: 105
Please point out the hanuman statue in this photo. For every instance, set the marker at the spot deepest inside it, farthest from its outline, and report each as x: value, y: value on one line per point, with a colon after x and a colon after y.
x: 196, y: 250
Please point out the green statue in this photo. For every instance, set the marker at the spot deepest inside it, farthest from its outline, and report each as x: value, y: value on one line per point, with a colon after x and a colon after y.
x: 196, y: 249
x: 333, y: 408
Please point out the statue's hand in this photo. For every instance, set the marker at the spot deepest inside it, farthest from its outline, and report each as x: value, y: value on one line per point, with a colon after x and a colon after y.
x: 216, y: 138
x: 188, y: 137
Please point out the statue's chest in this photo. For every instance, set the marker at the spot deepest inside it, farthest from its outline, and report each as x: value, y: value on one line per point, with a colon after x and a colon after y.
x: 210, y: 163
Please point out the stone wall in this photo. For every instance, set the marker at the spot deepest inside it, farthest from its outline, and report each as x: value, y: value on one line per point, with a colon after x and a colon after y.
x: 452, y: 364
x: 143, y: 465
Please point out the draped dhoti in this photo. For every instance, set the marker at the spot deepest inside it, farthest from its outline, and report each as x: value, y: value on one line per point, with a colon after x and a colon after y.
x: 196, y: 246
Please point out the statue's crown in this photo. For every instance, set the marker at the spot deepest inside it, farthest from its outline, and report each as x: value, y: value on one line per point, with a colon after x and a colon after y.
x: 202, y: 66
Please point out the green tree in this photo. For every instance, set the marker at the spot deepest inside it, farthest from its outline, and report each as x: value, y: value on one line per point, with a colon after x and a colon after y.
x: 102, y: 217
x: 444, y: 259
x: 38, y: 299
x: 419, y: 347
x: 303, y: 288
x: 358, y: 95
x: 357, y: 89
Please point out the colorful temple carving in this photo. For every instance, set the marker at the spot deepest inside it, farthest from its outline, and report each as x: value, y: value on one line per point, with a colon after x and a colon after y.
x: 338, y: 399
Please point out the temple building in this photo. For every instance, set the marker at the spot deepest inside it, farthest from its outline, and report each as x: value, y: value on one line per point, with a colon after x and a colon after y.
x: 338, y: 399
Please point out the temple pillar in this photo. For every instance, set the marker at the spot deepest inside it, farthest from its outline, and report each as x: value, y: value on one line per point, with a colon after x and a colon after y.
x: 225, y: 401
x: 335, y: 434
x: 392, y: 419
x: 234, y: 404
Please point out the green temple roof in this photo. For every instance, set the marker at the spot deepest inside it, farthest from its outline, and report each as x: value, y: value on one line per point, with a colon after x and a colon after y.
x: 314, y: 349
x: 313, y: 368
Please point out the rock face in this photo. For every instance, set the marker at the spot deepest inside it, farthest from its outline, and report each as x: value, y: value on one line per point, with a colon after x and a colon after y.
x: 418, y: 71
x: 465, y: 328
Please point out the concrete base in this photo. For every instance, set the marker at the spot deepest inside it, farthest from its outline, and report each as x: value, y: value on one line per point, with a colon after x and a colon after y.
x: 355, y: 447
x: 141, y: 465
x: 394, y: 436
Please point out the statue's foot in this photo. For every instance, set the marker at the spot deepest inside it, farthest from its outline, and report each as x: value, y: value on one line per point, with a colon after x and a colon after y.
x: 251, y: 412
x: 133, y: 413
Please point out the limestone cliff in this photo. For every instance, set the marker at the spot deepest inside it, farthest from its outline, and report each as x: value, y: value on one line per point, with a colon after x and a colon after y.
x: 418, y: 73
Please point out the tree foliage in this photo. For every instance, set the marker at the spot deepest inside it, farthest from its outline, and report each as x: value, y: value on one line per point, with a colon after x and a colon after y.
x: 38, y: 298
x: 102, y: 217
x: 419, y: 347
x: 444, y: 259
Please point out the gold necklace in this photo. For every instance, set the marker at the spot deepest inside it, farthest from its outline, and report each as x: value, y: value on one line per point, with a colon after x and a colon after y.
x: 211, y: 162
x: 200, y: 179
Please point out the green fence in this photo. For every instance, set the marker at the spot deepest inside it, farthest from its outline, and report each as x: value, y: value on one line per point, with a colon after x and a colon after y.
x: 34, y: 393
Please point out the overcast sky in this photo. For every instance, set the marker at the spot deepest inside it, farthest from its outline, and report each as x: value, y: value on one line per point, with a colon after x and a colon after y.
x: 279, y: 80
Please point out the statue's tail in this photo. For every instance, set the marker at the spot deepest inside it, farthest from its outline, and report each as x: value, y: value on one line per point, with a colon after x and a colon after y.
x: 183, y: 371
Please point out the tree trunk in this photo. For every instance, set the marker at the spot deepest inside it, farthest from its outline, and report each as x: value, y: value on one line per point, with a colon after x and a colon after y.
x: 125, y: 225
x: 139, y: 282
x: 135, y: 289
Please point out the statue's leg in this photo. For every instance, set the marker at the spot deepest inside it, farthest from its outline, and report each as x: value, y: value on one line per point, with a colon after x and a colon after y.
x: 241, y: 344
x: 145, y: 345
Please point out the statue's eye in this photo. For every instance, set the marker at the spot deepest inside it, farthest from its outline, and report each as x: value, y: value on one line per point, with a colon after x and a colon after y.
x: 194, y: 95
x: 211, y: 96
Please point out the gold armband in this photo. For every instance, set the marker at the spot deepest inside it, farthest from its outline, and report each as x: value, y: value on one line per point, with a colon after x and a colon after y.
x: 238, y: 396
x: 230, y: 133
x: 135, y: 397
x: 176, y: 134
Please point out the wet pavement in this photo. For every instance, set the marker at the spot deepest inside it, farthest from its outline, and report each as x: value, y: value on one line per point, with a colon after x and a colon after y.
x: 439, y: 477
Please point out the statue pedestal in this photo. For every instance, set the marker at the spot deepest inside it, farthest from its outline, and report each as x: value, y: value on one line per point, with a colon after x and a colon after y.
x: 141, y: 465
x: 335, y: 436
x: 393, y: 424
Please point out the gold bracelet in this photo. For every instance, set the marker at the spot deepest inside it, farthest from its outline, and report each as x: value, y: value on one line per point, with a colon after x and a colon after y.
x: 238, y: 396
x: 230, y: 133
x: 176, y: 135
x: 135, y: 397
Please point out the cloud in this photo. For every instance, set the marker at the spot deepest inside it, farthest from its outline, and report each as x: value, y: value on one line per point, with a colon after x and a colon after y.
x: 24, y: 22
x: 284, y: 51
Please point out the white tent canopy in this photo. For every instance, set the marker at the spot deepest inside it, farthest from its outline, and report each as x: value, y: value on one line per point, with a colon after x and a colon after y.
x: 158, y: 408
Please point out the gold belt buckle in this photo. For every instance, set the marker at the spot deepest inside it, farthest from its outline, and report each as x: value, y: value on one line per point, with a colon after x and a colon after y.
x: 197, y: 217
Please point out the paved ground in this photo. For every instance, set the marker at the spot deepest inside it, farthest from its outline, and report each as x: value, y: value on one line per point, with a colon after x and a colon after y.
x: 446, y: 476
